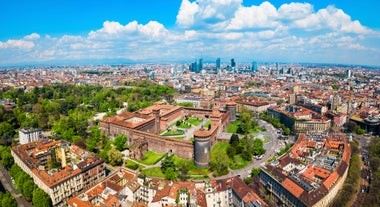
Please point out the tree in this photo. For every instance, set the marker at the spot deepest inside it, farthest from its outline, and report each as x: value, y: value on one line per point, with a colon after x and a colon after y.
x: 231, y: 151
x: 170, y: 174
x: 258, y: 147
x: 359, y: 130
x: 27, y: 189
x: 7, y: 159
x: 351, y: 126
x: 219, y: 162
x: 287, y: 131
x: 120, y: 141
x: 234, y: 140
x: 255, y: 171
x: 184, y: 169
x: 40, y: 198
x: 115, y: 157
x: 168, y: 162
x: 8, y: 200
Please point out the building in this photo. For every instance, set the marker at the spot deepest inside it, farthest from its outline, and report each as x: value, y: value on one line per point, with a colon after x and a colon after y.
x: 145, y: 125
x: 76, y: 168
x: 121, y: 188
x: 231, y: 192
x: 301, y: 119
x: 255, y: 105
x: 254, y: 66
x: 217, y: 63
x: 348, y: 73
x: 335, y: 102
x: 29, y: 134
x: 311, y: 173
x: 233, y: 64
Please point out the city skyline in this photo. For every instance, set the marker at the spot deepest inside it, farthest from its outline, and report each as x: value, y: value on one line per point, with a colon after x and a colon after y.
x: 334, y: 32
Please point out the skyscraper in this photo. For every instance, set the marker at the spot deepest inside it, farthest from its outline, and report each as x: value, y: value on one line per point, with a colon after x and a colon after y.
x: 200, y: 64
x: 348, y: 73
x: 254, y: 66
x: 217, y: 63
x: 233, y: 64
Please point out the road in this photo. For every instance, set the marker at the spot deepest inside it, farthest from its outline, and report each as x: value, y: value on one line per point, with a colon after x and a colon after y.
x: 270, y: 151
x: 365, y: 171
x: 7, y: 183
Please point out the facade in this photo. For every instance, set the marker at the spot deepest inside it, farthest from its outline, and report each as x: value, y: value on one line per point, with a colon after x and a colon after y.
x: 78, y: 170
x: 125, y: 188
x: 311, y: 173
x: 256, y: 106
x: 29, y: 134
x: 301, y: 119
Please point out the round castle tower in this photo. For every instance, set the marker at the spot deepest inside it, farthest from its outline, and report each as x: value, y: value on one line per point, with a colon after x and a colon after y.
x: 202, y: 148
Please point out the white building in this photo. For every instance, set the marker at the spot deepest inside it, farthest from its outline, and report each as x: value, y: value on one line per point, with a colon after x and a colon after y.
x: 29, y: 134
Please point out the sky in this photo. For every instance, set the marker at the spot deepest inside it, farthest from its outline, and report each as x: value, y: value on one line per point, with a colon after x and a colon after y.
x: 86, y: 31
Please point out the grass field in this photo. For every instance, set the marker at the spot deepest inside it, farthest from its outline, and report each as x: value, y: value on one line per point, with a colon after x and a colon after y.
x: 193, y: 170
x: 153, y: 172
x: 238, y: 163
x: 232, y: 127
x: 151, y: 158
x: 132, y: 165
x: 220, y: 146
x: 194, y: 121
x: 174, y: 132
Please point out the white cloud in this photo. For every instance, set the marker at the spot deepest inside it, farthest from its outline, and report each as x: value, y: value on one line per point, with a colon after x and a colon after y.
x: 295, y: 10
x: 263, y: 16
x: 33, y: 36
x: 185, y: 17
x: 216, y: 28
x: 330, y: 18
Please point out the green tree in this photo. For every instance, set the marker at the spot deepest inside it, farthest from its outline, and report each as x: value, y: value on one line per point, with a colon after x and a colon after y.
x: 234, y: 140
x: 27, y: 189
x: 8, y: 200
x: 40, y: 198
x: 359, y: 130
x: 166, y: 163
x: 7, y: 159
x: 231, y: 151
x: 255, y: 171
x: 219, y: 162
x: 120, y: 141
x: 258, y: 147
x: 115, y: 157
x: 171, y: 174
x: 287, y: 131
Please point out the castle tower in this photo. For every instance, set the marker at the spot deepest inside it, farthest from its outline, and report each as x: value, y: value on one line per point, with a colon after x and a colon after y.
x: 231, y: 107
x: 156, y: 114
x: 202, y: 148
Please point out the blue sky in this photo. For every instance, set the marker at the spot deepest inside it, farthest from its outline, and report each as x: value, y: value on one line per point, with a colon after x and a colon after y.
x: 320, y: 31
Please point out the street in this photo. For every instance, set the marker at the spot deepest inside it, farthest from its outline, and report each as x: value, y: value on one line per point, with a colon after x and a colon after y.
x: 7, y: 183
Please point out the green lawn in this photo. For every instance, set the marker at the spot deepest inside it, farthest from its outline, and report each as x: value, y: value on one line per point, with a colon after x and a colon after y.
x: 132, y: 165
x: 173, y: 132
x: 238, y: 163
x: 232, y: 127
x: 151, y: 158
x: 220, y: 146
x: 207, y: 124
x: 193, y: 170
x: 153, y: 172
x: 184, y: 126
x: 194, y: 121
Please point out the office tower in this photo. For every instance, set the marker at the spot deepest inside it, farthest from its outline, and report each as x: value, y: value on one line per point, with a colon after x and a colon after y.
x: 276, y: 66
x: 348, y: 73
x: 217, y: 63
x: 200, y: 64
x: 233, y: 64
x: 254, y: 66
